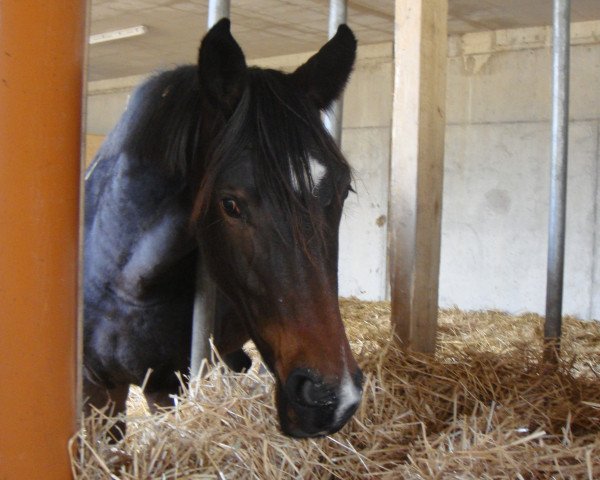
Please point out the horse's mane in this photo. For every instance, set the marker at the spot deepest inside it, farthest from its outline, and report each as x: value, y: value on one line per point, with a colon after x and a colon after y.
x: 283, y: 130
x: 162, y: 124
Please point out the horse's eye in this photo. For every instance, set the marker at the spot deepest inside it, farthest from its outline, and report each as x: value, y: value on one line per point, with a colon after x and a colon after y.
x: 347, y: 192
x: 230, y: 207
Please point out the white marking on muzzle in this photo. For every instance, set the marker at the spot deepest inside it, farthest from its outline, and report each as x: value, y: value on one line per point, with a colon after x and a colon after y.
x: 349, y: 394
x: 317, y: 172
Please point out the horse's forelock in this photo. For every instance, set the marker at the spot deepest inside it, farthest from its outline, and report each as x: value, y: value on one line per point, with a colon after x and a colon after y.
x: 283, y: 130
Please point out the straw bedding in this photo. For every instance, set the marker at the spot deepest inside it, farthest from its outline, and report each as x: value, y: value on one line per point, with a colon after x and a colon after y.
x: 482, y: 408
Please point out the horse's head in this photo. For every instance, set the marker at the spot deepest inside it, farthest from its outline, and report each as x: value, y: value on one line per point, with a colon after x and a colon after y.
x: 268, y: 213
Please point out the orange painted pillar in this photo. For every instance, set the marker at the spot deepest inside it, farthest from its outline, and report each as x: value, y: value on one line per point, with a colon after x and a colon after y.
x: 41, y: 66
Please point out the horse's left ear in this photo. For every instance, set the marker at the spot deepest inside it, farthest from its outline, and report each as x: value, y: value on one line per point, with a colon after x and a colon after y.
x: 222, y: 67
x: 324, y: 76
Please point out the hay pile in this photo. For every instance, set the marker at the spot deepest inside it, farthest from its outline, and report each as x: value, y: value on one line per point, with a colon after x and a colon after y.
x: 482, y: 408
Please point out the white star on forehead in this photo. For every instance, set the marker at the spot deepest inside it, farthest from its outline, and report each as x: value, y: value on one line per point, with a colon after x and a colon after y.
x: 317, y: 172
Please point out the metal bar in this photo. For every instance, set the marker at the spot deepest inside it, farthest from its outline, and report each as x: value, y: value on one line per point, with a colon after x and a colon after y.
x: 203, y: 323
x: 332, y: 119
x: 558, y: 174
x: 204, y: 315
x: 217, y: 9
x: 42, y: 61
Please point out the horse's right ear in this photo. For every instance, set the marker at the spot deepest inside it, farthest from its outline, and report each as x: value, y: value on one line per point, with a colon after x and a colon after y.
x: 221, y: 67
x: 323, y: 77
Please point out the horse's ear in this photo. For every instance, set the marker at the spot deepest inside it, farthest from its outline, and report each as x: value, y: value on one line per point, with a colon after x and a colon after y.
x: 324, y: 76
x: 221, y: 67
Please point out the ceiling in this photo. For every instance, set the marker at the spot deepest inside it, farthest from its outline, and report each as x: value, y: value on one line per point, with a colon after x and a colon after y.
x: 267, y: 28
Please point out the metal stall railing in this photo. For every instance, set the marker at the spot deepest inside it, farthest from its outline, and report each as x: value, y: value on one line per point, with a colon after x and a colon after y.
x: 338, y: 13
x: 558, y: 178
x: 206, y: 292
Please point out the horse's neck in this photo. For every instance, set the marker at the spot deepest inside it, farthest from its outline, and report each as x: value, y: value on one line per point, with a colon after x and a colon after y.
x: 140, y: 228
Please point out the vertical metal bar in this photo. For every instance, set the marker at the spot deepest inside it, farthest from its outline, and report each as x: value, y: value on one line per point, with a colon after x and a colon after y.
x: 217, y: 9
x: 203, y: 323
x: 558, y: 175
x: 41, y: 83
x: 332, y: 119
x: 204, y: 315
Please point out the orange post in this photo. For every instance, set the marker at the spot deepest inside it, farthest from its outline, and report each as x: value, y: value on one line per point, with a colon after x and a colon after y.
x: 41, y: 74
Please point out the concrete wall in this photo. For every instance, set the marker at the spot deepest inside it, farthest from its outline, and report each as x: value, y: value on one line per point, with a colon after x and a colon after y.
x: 496, y: 173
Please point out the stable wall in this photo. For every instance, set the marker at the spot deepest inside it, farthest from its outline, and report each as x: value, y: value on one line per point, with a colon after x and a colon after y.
x: 497, y: 172
x: 496, y: 169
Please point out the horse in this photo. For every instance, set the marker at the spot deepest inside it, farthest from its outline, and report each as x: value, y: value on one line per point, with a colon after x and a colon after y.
x: 229, y: 165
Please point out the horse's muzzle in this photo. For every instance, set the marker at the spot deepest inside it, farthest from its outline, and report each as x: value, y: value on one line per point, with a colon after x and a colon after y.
x: 311, y: 407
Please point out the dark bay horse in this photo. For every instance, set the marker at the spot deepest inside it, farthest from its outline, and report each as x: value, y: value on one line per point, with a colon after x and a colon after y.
x: 235, y: 162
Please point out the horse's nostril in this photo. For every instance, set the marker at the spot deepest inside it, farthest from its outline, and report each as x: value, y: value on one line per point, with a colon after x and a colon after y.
x: 316, y: 394
x: 309, y: 406
x: 305, y: 393
x: 309, y: 391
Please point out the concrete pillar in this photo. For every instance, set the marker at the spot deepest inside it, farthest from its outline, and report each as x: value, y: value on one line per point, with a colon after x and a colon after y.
x: 416, y: 172
x: 41, y: 78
